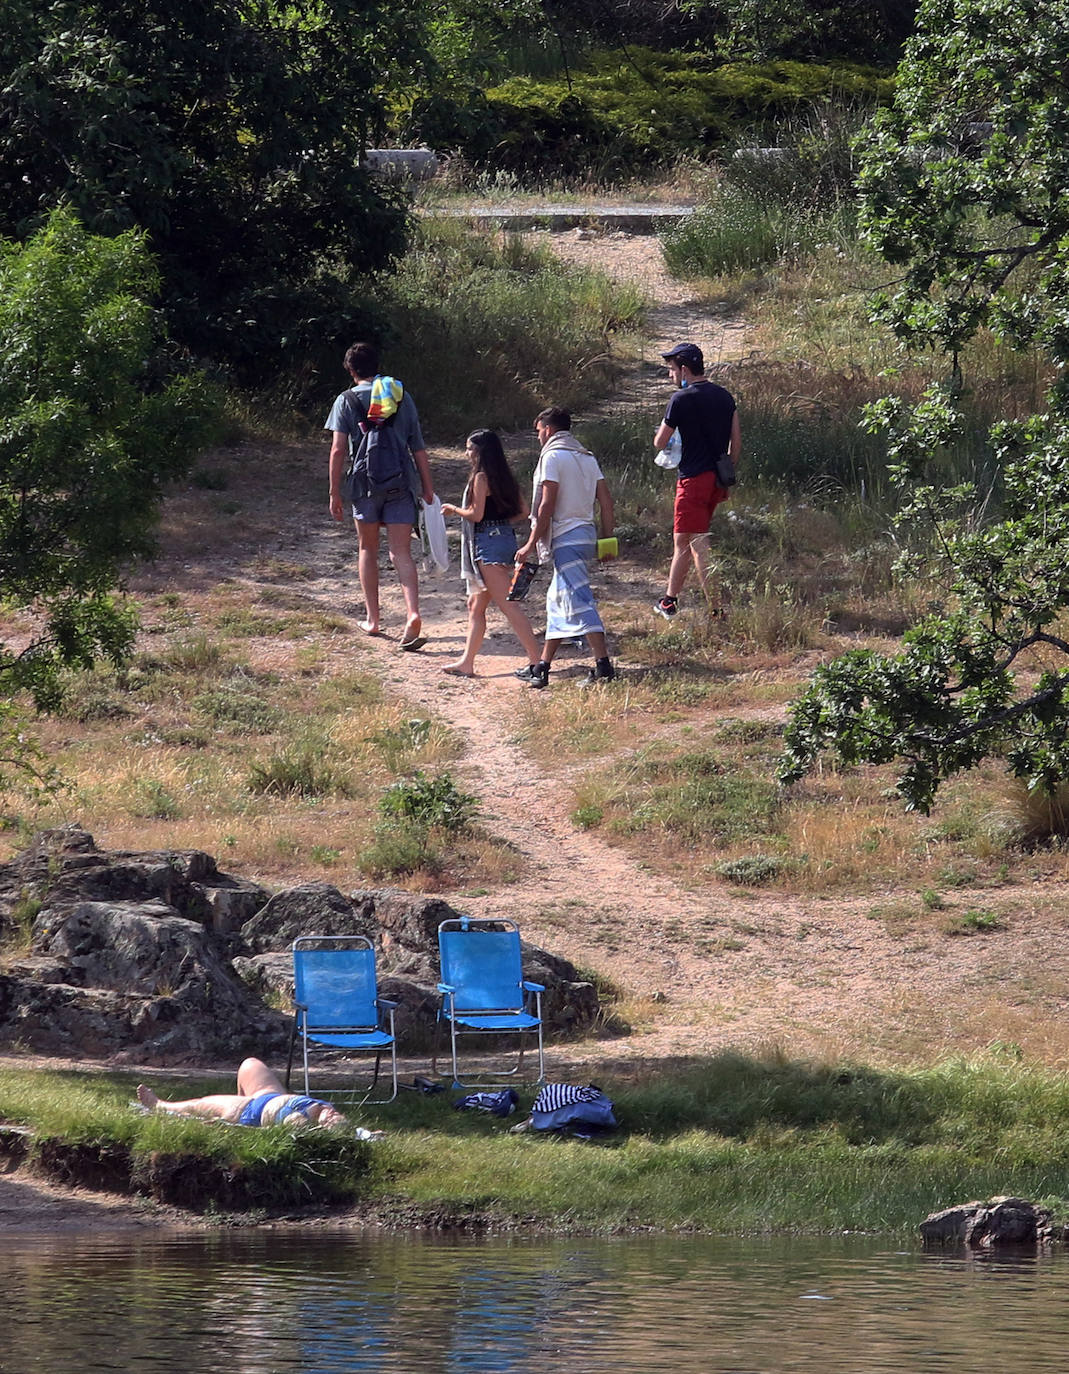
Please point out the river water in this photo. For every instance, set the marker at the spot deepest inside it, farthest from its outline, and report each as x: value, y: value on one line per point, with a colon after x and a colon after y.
x: 324, y: 1302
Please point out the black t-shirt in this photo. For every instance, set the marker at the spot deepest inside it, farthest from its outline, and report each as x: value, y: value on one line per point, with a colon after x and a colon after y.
x: 702, y: 413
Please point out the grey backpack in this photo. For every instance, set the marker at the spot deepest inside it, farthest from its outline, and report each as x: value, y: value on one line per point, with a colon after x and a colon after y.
x: 379, y: 465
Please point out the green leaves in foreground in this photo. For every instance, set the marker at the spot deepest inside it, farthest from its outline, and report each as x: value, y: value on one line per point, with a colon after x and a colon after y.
x: 968, y: 213
x: 90, y: 434
x: 990, y: 674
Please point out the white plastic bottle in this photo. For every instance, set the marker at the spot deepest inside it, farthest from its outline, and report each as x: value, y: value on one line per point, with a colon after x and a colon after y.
x: 669, y: 456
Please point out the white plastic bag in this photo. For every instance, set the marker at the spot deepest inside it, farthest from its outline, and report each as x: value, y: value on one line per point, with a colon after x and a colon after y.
x: 433, y: 522
x: 669, y: 456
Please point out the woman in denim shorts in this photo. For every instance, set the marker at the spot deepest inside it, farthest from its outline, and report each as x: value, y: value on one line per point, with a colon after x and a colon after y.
x: 492, y: 505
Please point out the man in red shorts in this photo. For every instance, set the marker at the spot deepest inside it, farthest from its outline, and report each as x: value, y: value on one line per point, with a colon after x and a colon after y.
x: 708, y: 424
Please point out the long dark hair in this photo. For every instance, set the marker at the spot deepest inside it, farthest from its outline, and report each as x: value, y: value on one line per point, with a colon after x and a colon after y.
x: 490, y: 459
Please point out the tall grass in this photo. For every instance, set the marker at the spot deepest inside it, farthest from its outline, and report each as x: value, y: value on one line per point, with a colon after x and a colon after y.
x: 501, y: 328
x: 776, y: 236
x: 775, y: 205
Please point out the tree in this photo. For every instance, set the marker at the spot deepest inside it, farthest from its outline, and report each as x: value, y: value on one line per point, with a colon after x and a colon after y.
x: 862, y: 30
x: 965, y: 185
x: 231, y: 132
x: 90, y: 433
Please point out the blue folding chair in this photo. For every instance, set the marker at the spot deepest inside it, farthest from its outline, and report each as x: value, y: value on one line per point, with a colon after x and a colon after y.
x: 483, y: 990
x: 337, y: 1003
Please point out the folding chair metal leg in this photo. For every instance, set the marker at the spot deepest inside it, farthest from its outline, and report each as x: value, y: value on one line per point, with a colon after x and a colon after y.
x: 289, y: 1060
x: 495, y: 1077
x: 435, y: 1045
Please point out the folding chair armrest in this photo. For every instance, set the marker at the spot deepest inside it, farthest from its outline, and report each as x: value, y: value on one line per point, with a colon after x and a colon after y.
x: 534, y: 987
x: 446, y: 987
x: 386, y: 1004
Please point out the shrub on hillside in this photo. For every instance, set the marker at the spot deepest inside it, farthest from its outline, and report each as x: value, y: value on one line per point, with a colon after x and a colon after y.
x: 91, y: 430
x: 623, y: 114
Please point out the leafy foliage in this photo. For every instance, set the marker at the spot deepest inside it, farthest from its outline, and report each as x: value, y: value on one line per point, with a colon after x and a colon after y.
x: 89, y: 437
x: 428, y: 802
x: 861, y: 29
x: 230, y: 133
x: 622, y: 112
x: 963, y: 185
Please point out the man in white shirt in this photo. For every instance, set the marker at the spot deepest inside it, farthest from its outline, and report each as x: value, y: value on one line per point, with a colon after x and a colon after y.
x: 568, y: 483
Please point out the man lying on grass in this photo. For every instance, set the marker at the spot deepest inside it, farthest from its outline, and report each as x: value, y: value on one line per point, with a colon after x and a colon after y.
x: 261, y: 1100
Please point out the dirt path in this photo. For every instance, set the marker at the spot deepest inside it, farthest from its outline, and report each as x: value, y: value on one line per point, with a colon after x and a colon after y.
x: 705, y: 968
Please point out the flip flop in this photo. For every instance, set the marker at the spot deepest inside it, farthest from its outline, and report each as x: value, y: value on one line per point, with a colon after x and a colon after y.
x: 416, y: 642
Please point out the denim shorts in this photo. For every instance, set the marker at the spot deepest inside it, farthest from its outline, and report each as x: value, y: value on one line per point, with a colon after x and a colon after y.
x: 495, y: 542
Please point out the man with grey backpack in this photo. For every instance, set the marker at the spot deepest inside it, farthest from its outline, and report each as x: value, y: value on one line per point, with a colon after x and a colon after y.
x: 379, y: 467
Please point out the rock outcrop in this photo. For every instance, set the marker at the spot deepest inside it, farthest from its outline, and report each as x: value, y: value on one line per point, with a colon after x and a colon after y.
x: 1001, y: 1222
x: 158, y: 957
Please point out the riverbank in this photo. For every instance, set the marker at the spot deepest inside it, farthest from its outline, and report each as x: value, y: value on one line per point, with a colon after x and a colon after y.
x: 879, y: 944
x: 730, y: 1144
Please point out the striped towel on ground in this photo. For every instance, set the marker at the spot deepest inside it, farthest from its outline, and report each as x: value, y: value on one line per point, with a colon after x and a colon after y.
x: 583, y: 1111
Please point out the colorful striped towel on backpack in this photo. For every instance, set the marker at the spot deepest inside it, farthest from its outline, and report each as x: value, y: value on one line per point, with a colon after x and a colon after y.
x: 386, y: 395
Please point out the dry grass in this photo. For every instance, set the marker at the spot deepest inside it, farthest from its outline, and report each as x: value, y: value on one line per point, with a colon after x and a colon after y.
x: 232, y: 734
x: 698, y: 789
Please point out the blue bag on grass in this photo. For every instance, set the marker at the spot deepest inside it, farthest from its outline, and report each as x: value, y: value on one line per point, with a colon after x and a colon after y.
x: 502, y: 1103
x: 583, y: 1111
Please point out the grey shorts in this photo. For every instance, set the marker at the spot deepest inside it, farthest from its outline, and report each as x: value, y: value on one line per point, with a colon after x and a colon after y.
x: 400, y: 510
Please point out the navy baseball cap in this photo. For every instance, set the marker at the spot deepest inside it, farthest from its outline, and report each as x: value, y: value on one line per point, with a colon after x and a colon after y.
x: 686, y: 354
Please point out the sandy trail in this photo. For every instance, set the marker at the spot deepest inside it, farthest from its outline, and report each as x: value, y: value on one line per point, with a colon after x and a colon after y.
x: 707, y: 968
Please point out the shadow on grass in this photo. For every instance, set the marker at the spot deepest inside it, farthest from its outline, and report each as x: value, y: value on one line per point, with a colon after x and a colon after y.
x: 728, y: 1095
x: 738, y: 1096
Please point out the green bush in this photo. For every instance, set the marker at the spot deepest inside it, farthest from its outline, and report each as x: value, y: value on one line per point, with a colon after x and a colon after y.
x: 429, y: 802
x: 399, y: 850
x: 753, y: 870
x: 623, y: 114
x: 303, y: 769
x: 91, y: 431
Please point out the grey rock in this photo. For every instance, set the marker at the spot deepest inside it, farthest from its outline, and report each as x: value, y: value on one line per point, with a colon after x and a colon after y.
x: 409, y: 164
x: 158, y: 957
x: 311, y: 909
x: 63, y: 867
x: 1000, y: 1222
x: 408, y: 923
